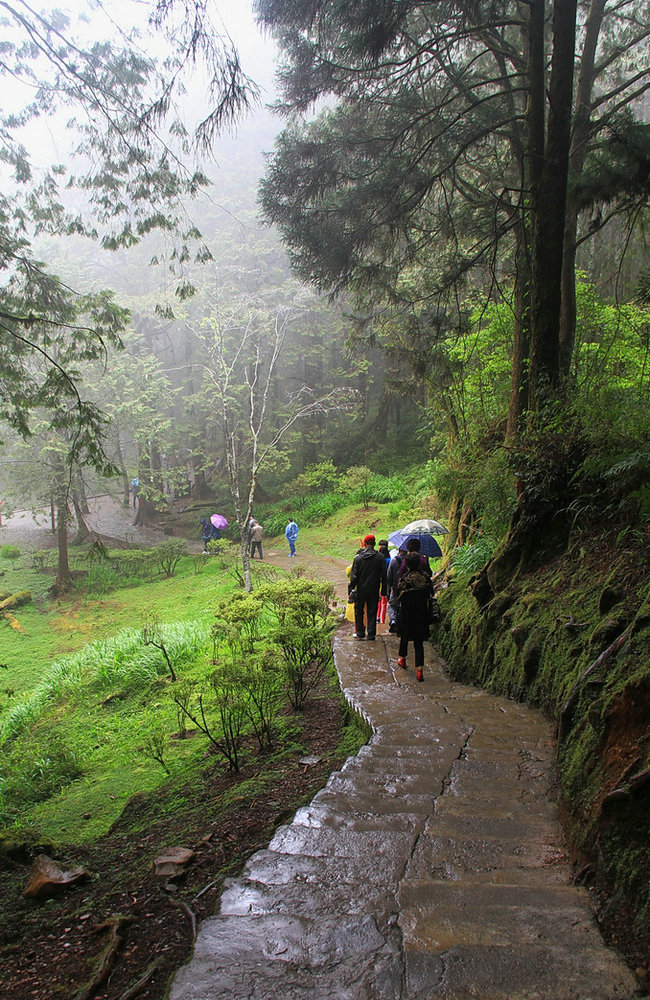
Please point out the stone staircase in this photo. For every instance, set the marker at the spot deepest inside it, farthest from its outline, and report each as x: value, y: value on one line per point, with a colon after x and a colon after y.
x: 430, y: 866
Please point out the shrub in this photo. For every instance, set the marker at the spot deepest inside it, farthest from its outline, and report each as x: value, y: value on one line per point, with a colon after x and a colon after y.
x: 43, y: 560
x: 99, y: 580
x: 168, y: 554
x: 217, y: 708
x: 302, y: 632
x: 384, y: 489
x: 357, y: 484
x: 470, y: 558
x: 9, y: 552
x: 40, y: 771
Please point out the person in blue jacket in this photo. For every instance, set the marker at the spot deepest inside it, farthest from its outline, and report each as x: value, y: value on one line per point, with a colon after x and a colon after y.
x: 291, y: 532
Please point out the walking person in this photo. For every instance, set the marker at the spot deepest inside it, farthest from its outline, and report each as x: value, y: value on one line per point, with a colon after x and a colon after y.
x: 251, y: 523
x: 413, y: 545
x: 368, y: 582
x: 391, y: 578
x: 206, y: 532
x: 382, y: 609
x: 414, y: 595
x: 291, y: 532
x: 256, y: 533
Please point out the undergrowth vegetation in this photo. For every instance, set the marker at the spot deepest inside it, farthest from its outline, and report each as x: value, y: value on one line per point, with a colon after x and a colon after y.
x: 117, y: 716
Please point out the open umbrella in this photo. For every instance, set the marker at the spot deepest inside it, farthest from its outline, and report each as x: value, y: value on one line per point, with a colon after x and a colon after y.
x: 428, y: 545
x: 424, y: 530
x: 426, y: 526
x: 219, y: 521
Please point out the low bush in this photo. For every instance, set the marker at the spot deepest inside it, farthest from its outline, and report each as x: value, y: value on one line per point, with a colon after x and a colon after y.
x: 43, y: 768
x: 9, y: 552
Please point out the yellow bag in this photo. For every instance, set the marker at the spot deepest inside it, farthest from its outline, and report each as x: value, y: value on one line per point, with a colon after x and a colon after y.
x: 349, y: 611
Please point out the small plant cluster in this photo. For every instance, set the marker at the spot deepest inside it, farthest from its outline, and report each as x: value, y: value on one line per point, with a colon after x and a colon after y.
x: 269, y: 646
x: 9, y: 552
x: 99, y: 570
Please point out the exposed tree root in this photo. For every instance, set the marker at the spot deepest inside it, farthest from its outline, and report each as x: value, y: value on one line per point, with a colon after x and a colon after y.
x: 179, y: 905
x: 142, y: 982
x: 117, y: 926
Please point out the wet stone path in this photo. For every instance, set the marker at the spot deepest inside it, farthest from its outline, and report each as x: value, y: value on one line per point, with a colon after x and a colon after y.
x: 430, y: 866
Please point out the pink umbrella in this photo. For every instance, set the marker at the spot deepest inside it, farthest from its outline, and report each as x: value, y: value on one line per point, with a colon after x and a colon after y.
x: 219, y: 521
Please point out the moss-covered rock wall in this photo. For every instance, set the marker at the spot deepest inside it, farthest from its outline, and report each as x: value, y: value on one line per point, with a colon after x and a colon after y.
x: 573, y: 637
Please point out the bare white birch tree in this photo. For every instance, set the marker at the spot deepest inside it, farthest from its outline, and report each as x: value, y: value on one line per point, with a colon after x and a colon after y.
x: 240, y: 360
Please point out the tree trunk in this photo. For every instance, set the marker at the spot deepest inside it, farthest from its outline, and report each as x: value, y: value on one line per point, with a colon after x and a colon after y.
x: 521, y: 339
x: 147, y: 514
x: 63, y: 564
x: 82, y: 527
x: 126, y: 498
x: 201, y: 489
x: 581, y: 123
x: 245, y: 557
x: 548, y: 204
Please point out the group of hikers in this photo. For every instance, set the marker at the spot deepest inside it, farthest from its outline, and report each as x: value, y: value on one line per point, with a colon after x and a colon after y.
x: 211, y: 533
x: 256, y: 533
x: 401, y: 584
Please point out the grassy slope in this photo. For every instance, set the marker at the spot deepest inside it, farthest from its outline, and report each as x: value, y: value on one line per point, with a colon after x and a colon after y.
x: 100, y: 724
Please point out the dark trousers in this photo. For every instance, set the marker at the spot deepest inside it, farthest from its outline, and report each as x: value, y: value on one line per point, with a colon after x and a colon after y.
x: 371, y: 602
x: 418, y: 647
x: 258, y: 546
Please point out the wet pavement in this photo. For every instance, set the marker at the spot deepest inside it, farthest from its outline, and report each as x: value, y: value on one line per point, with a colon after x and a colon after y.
x: 432, y: 865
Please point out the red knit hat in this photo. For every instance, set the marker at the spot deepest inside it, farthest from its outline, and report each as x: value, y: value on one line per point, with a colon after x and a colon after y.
x: 369, y: 540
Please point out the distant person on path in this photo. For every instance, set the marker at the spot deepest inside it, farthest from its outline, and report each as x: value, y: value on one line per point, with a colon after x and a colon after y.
x: 367, y: 581
x: 256, y: 534
x: 215, y: 533
x: 135, y: 486
x: 291, y: 532
x: 393, y: 569
x: 206, y: 532
x: 251, y: 524
x: 414, y: 594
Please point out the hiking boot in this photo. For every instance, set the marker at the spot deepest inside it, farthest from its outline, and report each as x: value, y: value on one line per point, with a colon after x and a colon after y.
x: 419, y: 675
x: 401, y: 662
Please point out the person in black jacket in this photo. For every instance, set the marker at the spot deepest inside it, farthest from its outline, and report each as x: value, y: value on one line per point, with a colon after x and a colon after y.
x: 367, y: 580
x: 414, y: 594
